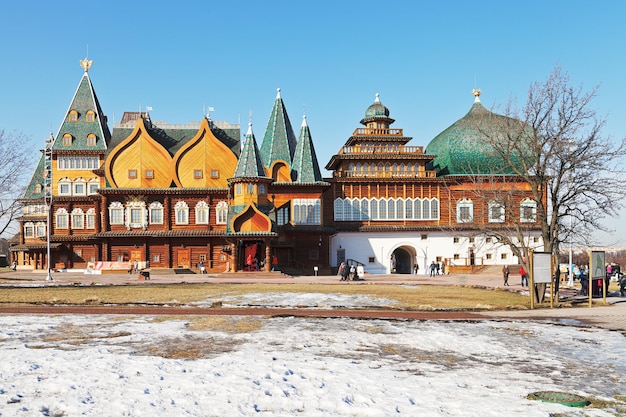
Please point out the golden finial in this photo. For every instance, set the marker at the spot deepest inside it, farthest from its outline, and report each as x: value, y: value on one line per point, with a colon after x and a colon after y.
x: 86, y: 64
x: 476, y: 93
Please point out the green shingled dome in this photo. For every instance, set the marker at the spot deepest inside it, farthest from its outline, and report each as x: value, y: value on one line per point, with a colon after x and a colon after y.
x: 461, y: 148
x: 377, y: 109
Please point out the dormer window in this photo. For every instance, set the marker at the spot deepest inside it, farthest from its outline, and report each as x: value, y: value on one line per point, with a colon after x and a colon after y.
x: 90, y: 116
x: 73, y: 116
x: 91, y: 139
x: 197, y: 174
x: 67, y: 140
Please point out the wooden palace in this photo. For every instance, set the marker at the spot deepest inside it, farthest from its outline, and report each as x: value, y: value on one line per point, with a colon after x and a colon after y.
x: 185, y: 196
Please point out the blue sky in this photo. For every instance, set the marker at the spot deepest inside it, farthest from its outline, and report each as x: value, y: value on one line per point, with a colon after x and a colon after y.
x: 329, y: 58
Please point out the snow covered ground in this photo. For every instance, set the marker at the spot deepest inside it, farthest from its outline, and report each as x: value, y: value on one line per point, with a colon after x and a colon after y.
x: 71, y: 365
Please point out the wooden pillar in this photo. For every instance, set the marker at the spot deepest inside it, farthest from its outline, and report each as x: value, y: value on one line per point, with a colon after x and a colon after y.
x: 233, y: 258
x: 268, y: 260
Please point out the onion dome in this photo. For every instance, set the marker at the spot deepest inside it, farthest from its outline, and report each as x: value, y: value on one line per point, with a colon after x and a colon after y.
x: 462, y: 149
x: 377, y: 111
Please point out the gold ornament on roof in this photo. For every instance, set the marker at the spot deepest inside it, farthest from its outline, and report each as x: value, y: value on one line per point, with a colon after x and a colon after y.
x: 476, y: 92
x: 86, y: 64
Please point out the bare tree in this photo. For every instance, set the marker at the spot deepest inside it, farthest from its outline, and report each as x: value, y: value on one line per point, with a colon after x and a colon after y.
x: 15, y: 159
x: 555, y: 146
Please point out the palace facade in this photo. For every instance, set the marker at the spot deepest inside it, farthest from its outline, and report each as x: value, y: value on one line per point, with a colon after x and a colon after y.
x: 181, y: 196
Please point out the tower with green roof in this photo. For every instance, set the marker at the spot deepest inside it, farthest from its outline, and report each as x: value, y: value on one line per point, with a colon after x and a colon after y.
x: 279, y: 142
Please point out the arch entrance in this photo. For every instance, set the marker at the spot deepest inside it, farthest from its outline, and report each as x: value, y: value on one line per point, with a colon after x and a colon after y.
x: 403, y: 260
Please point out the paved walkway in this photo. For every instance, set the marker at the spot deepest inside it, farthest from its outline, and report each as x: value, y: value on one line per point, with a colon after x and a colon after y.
x: 611, y: 315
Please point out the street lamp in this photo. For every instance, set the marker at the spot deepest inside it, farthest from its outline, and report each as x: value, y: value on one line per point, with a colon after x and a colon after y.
x: 48, y: 195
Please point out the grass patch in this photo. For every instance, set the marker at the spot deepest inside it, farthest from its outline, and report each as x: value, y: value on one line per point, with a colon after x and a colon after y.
x: 423, y: 297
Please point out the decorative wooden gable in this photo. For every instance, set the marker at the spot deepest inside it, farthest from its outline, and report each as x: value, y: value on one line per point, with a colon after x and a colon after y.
x: 251, y: 220
x: 204, y: 161
x: 139, y: 162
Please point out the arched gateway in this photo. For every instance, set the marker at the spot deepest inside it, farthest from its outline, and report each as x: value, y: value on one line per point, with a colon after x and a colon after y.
x: 403, y: 260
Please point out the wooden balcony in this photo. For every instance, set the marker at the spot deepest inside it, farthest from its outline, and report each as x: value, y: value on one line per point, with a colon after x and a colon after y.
x: 382, y: 150
x: 366, y: 131
x: 364, y: 175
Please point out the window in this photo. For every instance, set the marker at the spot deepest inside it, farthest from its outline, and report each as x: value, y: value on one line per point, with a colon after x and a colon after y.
x: 197, y: 174
x: 29, y: 229
x: 132, y: 174
x: 535, y: 239
x: 489, y: 256
x: 73, y: 116
x: 80, y: 187
x: 136, y: 214
x: 262, y: 189
x: 65, y: 186
x: 238, y: 189
x: 282, y: 215
x: 307, y: 211
x: 182, y: 212
x: 78, y: 219
x: 78, y: 162
x: 528, y: 211
x: 385, y: 209
x: 488, y: 240
x: 156, y: 213
x: 156, y: 259
x: 61, y: 218
x: 90, y: 116
x: 91, y: 139
x: 215, y: 173
x: 40, y: 229
x: 503, y: 256
x: 67, y: 140
x: 423, y: 237
x: 221, y: 212
x: 202, y: 213
x: 471, y: 240
x: 371, y: 259
x: 496, y: 212
x: 251, y: 189
x: 456, y: 256
x: 456, y: 239
x: 149, y: 174
x: 93, y: 186
x: 90, y: 218
x: 38, y: 188
x: 116, y: 213
x: 464, y: 211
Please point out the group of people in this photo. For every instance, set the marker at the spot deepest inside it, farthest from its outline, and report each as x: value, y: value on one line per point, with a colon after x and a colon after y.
x: 436, y: 268
x: 348, y: 272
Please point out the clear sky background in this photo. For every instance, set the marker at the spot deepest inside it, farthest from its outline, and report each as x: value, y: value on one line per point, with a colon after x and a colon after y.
x: 329, y: 58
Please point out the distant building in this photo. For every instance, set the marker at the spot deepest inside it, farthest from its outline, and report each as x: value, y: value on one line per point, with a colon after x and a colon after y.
x: 174, y: 196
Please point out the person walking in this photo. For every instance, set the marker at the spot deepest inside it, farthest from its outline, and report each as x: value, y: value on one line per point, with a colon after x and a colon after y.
x: 432, y: 268
x: 505, y: 275
x: 524, y: 275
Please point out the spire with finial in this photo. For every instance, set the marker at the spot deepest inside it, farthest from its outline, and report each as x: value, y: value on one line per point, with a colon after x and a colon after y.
x: 377, y: 99
x: 305, y: 166
x: 476, y: 93
x: 249, y: 163
x: 279, y: 141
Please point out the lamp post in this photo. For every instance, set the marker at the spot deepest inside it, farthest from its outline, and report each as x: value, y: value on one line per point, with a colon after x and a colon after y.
x: 48, y: 196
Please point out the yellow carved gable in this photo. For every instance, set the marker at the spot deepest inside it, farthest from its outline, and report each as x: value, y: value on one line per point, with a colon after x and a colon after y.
x: 204, y: 161
x: 139, y: 162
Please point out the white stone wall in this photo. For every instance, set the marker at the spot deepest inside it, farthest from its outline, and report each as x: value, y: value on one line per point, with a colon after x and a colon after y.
x: 362, y: 246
